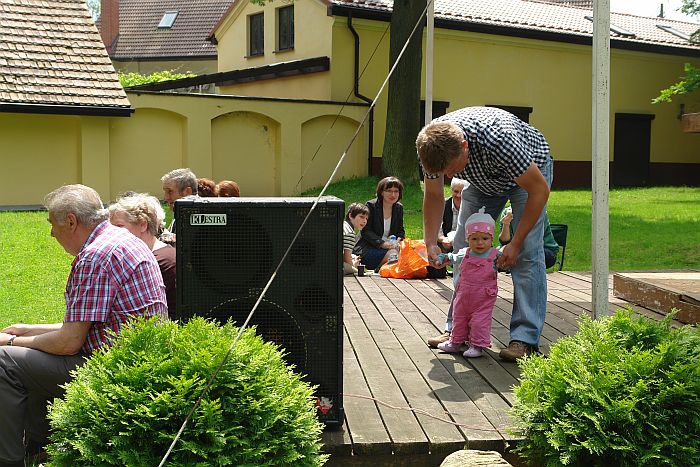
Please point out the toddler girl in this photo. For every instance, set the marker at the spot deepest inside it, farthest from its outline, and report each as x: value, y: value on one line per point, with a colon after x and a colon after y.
x: 476, y: 290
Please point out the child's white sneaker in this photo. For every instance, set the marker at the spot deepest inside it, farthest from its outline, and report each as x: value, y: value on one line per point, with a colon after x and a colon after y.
x: 449, y: 347
x: 472, y: 352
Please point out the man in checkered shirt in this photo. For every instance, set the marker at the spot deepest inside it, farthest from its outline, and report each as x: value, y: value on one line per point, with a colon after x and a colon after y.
x: 113, y: 279
x: 503, y: 159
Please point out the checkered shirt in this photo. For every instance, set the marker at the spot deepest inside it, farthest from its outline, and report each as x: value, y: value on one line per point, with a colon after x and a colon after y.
x: 501, y: 147
x: 114, y: 278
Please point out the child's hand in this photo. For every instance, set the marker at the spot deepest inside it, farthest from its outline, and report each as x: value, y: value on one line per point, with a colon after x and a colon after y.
x: 355, y: 260
x: 443, y: 260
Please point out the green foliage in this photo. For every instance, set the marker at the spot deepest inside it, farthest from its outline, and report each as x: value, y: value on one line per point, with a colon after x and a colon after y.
x: 691, y: 80
x: 688, y: 83
x: 623, y: 391
x: 135, y: 79
x: 125, y: 406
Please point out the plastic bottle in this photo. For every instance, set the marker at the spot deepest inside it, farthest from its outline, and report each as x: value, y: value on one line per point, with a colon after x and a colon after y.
x: 394, y: 252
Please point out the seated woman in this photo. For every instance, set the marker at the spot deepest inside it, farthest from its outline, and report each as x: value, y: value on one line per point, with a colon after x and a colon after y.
x: 228, y: 189
x: 206, y: 188
x: 385, y: 219
x: 143, y: 216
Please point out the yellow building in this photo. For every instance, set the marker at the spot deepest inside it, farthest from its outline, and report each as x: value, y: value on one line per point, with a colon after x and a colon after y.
x: 532, y: 58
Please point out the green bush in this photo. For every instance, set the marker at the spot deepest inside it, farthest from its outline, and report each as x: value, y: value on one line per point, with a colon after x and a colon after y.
x: 125, y: 406
x: 136, y: 79
x: 625, y: 390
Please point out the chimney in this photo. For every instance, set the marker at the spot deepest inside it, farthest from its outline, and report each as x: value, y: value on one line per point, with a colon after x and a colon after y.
x: 661, y: 13
x: 109, y: 23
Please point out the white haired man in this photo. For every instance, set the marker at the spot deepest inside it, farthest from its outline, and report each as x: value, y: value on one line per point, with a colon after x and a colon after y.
x: 113, y: 279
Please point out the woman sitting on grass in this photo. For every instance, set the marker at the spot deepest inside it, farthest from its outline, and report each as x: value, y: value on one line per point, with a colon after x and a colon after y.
x: 385, y: 219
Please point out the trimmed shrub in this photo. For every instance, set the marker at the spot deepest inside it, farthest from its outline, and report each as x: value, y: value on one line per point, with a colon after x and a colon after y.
x: 125, y: 405
x: 625, y: 390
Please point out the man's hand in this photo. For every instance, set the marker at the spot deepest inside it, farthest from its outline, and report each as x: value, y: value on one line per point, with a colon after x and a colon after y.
x: 433, y: 260
x: 18, y: 329
x: 5, y: 337
x: 508, y: 257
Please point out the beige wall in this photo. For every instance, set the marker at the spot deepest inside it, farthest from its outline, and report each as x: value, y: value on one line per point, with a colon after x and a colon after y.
x: 555, y: 79
x: 37, y: 154
x: 266, y: 146
x: 310, y: 25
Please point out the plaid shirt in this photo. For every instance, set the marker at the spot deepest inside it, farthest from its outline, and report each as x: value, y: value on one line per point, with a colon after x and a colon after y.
x: 114, y: 278
x: 501, y: 147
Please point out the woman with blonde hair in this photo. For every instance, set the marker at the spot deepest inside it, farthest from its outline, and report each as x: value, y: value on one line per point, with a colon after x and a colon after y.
x: 143, y: 216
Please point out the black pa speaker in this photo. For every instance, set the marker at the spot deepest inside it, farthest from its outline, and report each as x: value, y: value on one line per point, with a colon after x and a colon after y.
x: 227, y: 249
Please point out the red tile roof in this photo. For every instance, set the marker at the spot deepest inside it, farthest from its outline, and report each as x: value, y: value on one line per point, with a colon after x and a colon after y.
x: 51, y: 55
x: 140, y: 37
x: 548, y: 17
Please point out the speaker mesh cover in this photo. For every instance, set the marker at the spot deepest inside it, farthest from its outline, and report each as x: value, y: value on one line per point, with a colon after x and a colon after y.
x: 227, y: 249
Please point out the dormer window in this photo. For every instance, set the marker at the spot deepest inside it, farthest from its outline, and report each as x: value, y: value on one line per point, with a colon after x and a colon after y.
x: 616, y: 29
x: 168, y: 19
x: 674, y: 31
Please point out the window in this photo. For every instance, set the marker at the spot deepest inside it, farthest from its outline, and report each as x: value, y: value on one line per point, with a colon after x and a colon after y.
x: 285, y: 28
x: 168, y: 19
x: 674, y: 31
x: 256, y: 35
x: 616, y: 29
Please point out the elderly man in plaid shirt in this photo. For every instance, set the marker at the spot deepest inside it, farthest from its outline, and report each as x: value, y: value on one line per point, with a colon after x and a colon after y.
x: 113, y: 279
x: 504, y: 159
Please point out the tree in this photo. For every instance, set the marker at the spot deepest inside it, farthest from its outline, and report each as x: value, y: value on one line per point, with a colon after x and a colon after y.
x: 691, y: 80
x: 94, y: 7
x: 403, y: 106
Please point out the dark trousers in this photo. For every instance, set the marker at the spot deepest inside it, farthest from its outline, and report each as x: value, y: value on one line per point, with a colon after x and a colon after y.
x: 28, y: 380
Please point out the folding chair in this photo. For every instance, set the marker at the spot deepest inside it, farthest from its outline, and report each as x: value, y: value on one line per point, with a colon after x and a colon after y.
x: 559, y: 232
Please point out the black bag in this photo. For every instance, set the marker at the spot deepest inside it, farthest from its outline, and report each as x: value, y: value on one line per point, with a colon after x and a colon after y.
x: 436, y: 273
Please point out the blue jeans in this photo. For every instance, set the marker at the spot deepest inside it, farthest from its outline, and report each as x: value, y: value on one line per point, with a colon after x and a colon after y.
x: 529, y: 273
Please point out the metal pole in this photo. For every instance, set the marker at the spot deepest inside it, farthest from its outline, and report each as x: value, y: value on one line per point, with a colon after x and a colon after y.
x: 600, y: 156
x: 429, y: 62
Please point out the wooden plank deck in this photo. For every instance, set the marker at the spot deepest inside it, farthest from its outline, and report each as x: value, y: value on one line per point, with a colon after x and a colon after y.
x: 407, y: 404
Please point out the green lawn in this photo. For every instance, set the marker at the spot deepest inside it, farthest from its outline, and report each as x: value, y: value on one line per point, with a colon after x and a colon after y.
x: 653, y: 228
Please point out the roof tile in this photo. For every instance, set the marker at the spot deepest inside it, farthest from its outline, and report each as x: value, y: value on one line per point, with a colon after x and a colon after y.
x: 546, y: 16
x: 140, y: 37
x: 47, y: 68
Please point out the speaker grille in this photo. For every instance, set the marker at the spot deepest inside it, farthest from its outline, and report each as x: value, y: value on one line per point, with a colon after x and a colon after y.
x: 227, y: 249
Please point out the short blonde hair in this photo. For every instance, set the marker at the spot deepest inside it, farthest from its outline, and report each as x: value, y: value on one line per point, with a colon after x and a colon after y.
x: 437, y: 144
x: 138, y: 207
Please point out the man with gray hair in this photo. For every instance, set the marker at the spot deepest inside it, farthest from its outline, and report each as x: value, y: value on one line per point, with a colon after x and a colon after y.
x: 177, y: 184
x: 114, y: 278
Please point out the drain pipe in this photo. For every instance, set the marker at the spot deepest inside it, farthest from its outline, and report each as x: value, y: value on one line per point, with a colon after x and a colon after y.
x: 356, y: 90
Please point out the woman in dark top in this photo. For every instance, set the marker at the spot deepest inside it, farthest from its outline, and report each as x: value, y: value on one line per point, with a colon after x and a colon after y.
x: 385, y: 219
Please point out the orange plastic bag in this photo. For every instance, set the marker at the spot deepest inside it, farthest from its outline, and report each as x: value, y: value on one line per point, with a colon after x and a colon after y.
x: 412, y: 263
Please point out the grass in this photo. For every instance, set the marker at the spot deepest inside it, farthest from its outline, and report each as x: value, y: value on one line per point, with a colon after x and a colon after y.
x: 651, y: 228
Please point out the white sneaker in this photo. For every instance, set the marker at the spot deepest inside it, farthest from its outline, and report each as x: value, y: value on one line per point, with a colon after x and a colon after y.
x: 472, y: 352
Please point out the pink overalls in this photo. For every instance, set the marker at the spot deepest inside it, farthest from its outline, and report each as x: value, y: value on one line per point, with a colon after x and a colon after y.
x: 474, y: 300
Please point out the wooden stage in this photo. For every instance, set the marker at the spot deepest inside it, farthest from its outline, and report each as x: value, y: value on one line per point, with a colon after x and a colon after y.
x: 407, y: 404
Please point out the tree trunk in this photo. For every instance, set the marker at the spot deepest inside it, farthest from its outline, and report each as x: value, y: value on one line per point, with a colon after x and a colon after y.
x: 403, y: 108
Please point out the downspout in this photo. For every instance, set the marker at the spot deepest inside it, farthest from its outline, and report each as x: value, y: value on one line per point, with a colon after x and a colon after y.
x: 356, y: 90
